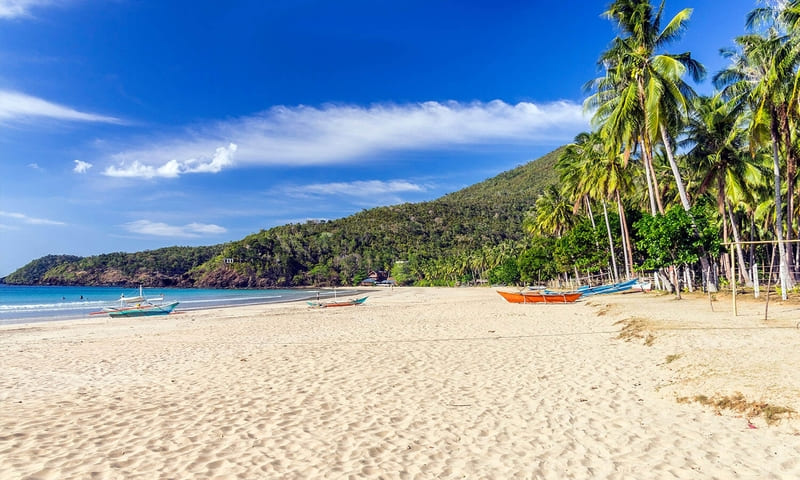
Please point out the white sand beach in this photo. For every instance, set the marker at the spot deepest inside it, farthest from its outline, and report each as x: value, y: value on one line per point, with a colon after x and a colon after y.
x: 415, y: 384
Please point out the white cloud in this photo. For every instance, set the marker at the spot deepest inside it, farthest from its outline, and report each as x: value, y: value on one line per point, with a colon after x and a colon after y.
x: 35, y: 166
x: 339, y: 133
x: 19, y: 106
x: 222, y: 157
x: 146, y: 227
x: 19, y: 8
x: 29, y: 220
x: 81, y: 166
x: 361, y: 188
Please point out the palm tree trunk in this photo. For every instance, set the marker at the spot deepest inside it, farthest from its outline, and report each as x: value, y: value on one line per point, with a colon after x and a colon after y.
x: 650, y: 188
x: 591, y: 216
x: 791, y: 178
x: 674, y: 166
x: 648, y: 159
x: 685, y: 201
x: 676, y: 281
x: 743, y: 270
x: 646, y: 144
x: 610, y: 243
x: 589, y: 209
x: 776, y: 170
x: 723, y: 213
x: 626, y: 238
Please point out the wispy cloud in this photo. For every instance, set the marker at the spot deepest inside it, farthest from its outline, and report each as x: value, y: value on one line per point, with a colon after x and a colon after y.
x: 361, y: 188
x: 19, y: 106
x: 339, y: 133
x: 81, y: 166
x: 20, y: 8
x: 192, y: 230
x: 21, y: 217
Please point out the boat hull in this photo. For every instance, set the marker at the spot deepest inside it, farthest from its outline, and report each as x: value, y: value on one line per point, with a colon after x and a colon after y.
x: 143, y: 311
x: 341, y: 303
x: 537, y: 297
x: 608, y: 288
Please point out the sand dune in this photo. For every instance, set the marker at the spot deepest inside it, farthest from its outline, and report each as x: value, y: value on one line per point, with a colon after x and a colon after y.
x: 417, y: 383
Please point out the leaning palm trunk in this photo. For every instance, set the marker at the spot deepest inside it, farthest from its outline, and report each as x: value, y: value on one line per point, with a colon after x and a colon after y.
x: 624, y: 242
x: 589, y: 210
x: 626, y: 239
x: 591, y: 216
x: 610, y: 243
x: 651, y: 195
x: 648, y: 160
x: 743, y: 270
x: 712, y: 287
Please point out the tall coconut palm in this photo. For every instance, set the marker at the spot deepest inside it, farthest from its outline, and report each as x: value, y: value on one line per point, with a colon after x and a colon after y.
x: 572, y: 165
x: 610, y: 178
x: 754, y: 78
x: 552, y: 214
x: 617, y: 113
x: 653, y: 79
x: 590, y: 170
x: 782, y: 21
x: 717, y: 154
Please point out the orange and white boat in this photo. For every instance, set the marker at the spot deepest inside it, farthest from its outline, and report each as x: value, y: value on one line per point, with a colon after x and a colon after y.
x: 540, y: 297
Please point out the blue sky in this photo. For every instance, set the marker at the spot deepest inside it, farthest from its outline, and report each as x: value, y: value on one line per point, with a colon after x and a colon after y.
x: 134, y: 125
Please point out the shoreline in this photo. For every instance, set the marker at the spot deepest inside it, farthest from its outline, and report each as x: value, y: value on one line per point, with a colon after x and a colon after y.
x: 416, y: 383
x: 80, y: 312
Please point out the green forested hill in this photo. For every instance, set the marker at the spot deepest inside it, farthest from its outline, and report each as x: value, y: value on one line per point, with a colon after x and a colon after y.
x: 162, y: 267
x: 444, y: 240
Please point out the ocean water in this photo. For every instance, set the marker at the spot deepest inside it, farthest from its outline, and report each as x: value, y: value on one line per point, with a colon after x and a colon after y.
x: 24, y: 304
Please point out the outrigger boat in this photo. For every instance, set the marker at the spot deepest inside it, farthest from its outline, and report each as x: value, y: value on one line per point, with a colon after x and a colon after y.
x: 339, y: 303
x: 138, y: 306
x: 540, y: 297
x: 608, y: 288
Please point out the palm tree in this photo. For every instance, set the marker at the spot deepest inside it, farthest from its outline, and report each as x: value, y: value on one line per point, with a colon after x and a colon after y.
x: 660, y: 91
x: 754, y: 78
x: 637, y: 73
x: 601, y: 175
x: 717, y: 153
x: 618, y: 115
x: 572, y: 165
x: 552, y: 214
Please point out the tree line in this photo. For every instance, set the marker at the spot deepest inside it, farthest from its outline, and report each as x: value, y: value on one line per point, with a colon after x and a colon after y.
x: 686, y: 165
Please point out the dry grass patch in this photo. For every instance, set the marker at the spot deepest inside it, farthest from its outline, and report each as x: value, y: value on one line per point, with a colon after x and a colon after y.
x: 672, y: 358
x: 636, y: 328
x: 603, y: 308
x: 737, y: 403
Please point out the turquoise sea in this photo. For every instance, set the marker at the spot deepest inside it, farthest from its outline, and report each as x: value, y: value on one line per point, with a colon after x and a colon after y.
x: 24, y: 304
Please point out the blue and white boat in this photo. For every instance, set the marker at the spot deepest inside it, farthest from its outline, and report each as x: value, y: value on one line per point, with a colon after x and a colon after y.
x: 138, y: 306
x: 608, y: 288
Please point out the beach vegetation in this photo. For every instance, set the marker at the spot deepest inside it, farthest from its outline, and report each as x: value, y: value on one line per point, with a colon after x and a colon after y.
x: 635, y: 328
x: 671, y: 358
x: 738, y: 403
x: 507, y: 273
